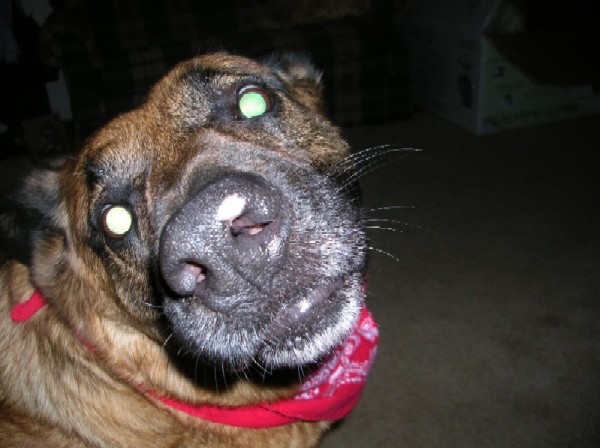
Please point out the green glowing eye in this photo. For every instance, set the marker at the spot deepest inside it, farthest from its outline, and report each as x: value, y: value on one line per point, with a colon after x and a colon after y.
x: 253, y: 101
x: 117, y: 221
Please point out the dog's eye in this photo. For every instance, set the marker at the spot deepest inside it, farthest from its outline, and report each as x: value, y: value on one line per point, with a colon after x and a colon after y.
x: 116, y: 221
x: 253, y: 101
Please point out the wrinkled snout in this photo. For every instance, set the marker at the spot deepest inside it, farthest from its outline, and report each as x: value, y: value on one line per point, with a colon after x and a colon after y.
x: 227, y: 239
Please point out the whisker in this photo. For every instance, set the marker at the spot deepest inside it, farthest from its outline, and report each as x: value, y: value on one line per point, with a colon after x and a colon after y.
x: 301, y: 374
x: 366, y: 155
x: 244, y: 373
x: 380, y: 150
x: 361, y: 155
x: 391, y: 229
x: 381, y: 251
x: 216, y: 379
x: 391, y: 207
x: 371, y: 163
x: 167, y: 341
x: 262, y: 370
x: 224, y: 376
x: 403, y: 223
x: 151, y: 305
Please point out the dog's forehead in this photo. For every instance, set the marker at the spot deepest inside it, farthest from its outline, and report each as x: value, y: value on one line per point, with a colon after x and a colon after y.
x: 229, y: 63
x: 117, y: 152
x: 204, y: 90
x: 216, y: 70
x: 199, y: 97
x: 223, y: 64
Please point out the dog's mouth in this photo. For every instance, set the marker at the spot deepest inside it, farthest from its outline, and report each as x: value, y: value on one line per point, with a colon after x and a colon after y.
x: 298, y: 332
x: 293, y: 318
x: 309, y: 328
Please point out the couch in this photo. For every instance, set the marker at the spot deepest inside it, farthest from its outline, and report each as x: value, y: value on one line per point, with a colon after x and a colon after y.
x: 112, y: 51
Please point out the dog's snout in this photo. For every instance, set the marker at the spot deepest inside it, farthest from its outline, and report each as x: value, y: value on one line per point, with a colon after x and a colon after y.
x: 225, y: 239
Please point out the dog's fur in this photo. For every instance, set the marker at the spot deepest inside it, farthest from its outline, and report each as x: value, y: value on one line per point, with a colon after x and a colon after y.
x: 115, y: 318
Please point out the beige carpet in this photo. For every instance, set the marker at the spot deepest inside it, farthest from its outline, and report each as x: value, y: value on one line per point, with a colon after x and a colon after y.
x: 490, y: 318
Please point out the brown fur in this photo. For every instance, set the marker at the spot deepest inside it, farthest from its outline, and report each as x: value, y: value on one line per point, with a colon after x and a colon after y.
x: 55, y: 392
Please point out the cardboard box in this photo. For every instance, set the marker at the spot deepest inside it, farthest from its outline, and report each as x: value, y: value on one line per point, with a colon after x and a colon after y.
x: 457, y: 72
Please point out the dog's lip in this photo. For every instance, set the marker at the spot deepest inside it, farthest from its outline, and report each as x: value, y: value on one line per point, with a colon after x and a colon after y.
x: 295, y: 316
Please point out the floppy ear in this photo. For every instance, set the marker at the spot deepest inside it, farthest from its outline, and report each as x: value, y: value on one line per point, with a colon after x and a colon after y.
x: 299, y: 72
x: 26, y: 213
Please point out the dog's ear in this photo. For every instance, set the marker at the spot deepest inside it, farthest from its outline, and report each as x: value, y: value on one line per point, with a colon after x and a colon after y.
x: 298, y: 71
x: 26, y: 212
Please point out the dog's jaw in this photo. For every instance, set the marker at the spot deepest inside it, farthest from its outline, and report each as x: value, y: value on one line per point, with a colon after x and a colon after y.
x: 299, y: 332
x: 289, y: 338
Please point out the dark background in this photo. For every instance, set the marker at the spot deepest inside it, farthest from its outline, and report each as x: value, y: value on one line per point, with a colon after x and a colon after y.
x: 485, y: 286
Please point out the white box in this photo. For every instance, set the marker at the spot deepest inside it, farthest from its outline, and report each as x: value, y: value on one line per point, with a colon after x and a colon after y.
x: 457, y: 73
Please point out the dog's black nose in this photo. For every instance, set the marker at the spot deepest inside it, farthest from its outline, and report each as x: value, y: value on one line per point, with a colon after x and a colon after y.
x: 225, y: 241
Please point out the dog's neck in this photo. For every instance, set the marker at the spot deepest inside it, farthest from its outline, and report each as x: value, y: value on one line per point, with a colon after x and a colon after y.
x: 328, y: 393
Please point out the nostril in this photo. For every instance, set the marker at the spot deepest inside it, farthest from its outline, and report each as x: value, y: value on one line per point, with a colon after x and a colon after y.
x: 195, y: 271
x: 189, y: 275
x: 242, y: 225
x: 229, y: 231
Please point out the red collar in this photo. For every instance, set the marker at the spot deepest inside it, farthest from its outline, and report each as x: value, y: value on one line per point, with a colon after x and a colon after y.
x: 329, y: 393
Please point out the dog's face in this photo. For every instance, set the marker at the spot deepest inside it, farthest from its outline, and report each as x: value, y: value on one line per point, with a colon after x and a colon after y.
x: 216, y: 216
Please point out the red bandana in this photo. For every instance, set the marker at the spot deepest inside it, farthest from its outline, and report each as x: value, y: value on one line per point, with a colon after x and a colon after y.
x: 329, y: 393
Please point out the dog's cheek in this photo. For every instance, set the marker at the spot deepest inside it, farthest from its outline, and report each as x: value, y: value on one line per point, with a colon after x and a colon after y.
x: 64, y: 274
x: 87, y: 289
x: 327, y: 228
x: 320, y: 139
x: 131, y: 278
x: 73, y: 266
x: 126, y: 264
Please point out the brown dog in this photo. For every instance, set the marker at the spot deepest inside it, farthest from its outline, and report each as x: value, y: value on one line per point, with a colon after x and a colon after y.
x: 191, y: 272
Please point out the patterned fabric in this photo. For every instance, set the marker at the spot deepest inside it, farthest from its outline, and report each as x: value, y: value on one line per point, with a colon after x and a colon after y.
x: 329, y: 394
x: 113, y: 51
x: 348, y: 365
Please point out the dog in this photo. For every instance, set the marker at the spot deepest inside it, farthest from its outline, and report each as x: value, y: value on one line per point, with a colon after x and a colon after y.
x: 194, y: 276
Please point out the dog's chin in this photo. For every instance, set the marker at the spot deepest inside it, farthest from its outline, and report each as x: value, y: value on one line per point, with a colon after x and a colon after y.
x: 311, y: 327
x: 300, y: 332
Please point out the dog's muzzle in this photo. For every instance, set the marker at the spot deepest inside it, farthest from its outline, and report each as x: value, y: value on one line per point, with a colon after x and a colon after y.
x: 227, y: 238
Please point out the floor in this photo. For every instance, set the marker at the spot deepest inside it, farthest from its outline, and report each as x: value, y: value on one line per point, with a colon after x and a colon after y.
x: 486, y: 288
x: 488, y: 298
